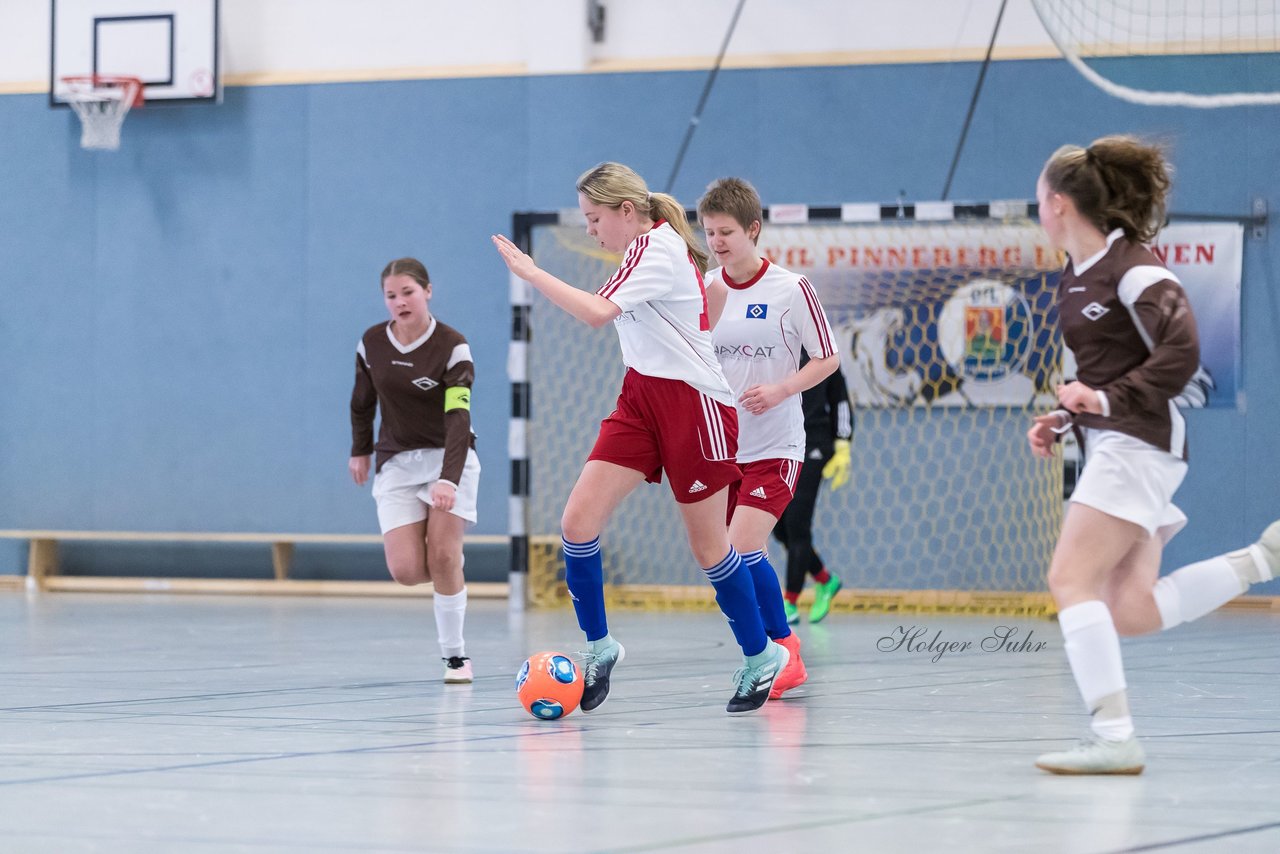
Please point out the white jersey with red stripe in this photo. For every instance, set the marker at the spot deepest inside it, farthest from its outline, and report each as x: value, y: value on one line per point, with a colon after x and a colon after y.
x: 663, y: 328
x: 758, y: 338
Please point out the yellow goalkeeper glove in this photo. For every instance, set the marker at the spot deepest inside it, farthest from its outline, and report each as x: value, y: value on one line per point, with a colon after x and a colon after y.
x: 837, y: 468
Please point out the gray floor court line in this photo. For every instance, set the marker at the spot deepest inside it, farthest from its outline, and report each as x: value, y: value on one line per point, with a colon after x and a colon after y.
x: 157, y: 723
x: 1208, y: 837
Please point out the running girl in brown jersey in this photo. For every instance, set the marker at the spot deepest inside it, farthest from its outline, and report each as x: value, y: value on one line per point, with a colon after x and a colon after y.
x: 420, y: 372
x: 1127, y: 320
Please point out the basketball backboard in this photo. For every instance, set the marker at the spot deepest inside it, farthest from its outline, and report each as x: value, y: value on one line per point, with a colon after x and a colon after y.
x: 171, y: 45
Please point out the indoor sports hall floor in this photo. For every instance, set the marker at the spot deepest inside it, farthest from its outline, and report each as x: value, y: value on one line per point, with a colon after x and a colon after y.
x: 168, y: 723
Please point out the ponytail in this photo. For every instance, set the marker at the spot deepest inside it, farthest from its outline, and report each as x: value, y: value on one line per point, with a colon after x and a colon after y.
x: 1117, y: 182
x: 663, y: 206
x: 1137, y: 179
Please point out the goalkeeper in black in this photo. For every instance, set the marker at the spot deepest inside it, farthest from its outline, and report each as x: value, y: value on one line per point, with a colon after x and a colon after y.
x: 828, y: 427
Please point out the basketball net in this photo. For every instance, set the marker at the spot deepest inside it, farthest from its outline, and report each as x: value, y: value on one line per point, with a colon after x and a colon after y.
x: 102, y: 102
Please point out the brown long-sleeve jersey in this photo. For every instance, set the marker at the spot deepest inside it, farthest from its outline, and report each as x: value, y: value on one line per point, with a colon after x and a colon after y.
x: 424, y: 390
x: 1127, y: 320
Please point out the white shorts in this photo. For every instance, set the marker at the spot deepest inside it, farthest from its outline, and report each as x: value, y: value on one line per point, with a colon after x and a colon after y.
x: 403, y: 487
x: 1127, y: 478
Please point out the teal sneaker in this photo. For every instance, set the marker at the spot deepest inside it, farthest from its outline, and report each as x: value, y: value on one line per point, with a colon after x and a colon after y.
x: 1096, y: 756
x: 793, y: 613
x: 822, y: 596
x: 754, y: 683
x: 596, y: 669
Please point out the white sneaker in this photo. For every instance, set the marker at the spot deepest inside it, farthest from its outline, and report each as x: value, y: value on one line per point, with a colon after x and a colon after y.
x: 1268, y: 548
x: 457, y: 670
x: 1259, y: 562
x: 1095, y: 755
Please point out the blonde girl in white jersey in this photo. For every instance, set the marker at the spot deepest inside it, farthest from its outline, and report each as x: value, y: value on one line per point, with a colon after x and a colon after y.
x: 675, y: 414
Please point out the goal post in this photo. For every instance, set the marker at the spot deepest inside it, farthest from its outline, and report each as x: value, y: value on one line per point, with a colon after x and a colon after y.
x: 948, y: 341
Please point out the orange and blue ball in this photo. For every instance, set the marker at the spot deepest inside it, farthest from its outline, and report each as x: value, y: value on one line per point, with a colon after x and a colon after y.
x: 549, y: 685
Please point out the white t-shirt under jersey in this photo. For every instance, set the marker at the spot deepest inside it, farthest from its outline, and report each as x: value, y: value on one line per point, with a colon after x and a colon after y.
x: 663, y: 327
x: 758, y: 339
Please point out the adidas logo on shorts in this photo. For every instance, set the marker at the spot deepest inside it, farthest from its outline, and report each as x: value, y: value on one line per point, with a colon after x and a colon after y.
x: 698, y: 486
x: 758, y: 492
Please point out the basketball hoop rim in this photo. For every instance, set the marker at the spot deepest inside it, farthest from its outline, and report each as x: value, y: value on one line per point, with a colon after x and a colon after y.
x: 98, y: 81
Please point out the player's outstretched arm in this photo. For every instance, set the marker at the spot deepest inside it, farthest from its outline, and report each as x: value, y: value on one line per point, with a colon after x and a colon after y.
x: 592, y: 309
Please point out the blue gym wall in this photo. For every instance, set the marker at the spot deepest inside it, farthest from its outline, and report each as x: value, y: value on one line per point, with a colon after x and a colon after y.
x: 179, y: 318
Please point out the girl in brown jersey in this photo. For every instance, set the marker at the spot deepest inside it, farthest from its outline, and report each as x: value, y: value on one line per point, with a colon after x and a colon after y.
x: 1127, y: 320
x: 419, y: 371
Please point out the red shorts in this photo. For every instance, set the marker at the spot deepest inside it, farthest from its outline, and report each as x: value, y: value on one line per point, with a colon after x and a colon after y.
x: 663, y: 424
x: 767, y: 485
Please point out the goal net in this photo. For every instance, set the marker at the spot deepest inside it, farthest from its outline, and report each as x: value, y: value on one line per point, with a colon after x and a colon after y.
x: 948, y: 342
x: 1138, y: 50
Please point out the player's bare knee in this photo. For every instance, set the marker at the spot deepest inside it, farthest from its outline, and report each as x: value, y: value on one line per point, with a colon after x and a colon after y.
x: 444, y: 561
x: 577, y: 528
x: 1058, y: 580
x: 406, y: 572
x: 1066, y: 586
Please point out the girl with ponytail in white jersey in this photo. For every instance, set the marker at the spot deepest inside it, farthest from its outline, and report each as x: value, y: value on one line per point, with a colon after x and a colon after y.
x: 675, y: 414
x: 762, y: 316
x: 1127, y: 320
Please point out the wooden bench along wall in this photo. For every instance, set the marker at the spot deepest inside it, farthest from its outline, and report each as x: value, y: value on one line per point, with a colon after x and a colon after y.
x: 43, y: 570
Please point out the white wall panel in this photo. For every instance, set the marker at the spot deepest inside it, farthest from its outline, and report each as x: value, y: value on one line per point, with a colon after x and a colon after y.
x: 290, y: 41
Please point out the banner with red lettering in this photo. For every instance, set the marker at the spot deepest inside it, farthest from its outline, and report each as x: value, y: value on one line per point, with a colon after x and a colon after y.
x: 964, y: 313
x: 1208, y: 259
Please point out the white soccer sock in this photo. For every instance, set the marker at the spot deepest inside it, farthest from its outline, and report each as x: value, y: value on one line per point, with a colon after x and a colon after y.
x: 1093, y: 650
x: 451, y: 612
x: 1189, y: 593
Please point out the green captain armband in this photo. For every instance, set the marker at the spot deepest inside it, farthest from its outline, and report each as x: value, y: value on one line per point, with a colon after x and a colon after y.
x: 457, y: 397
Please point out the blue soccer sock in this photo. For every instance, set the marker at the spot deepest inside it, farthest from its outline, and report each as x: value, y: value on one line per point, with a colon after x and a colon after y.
x: 768, y: 594
x: 584, y: 575
x: 736, y: 596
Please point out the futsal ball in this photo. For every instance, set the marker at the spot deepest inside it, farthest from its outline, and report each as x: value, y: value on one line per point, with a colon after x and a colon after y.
x: 549, y: 685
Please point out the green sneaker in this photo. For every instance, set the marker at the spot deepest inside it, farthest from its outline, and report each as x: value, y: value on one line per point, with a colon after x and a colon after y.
x: 1096, y: 756
x: 793, y: 613
x: 822, y: 596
